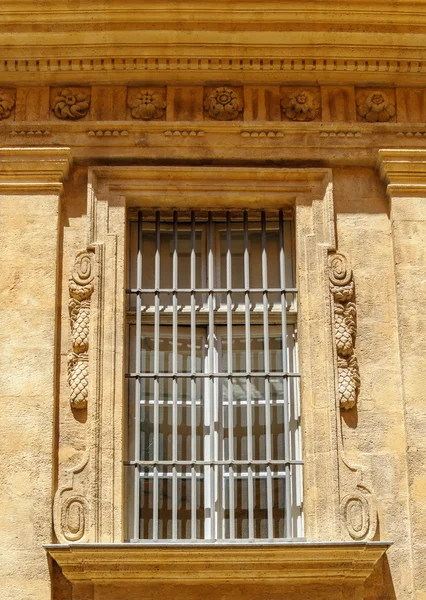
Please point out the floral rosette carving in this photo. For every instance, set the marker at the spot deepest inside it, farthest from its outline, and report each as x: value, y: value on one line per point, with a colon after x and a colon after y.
x: 375, y: 107
x: 7, y: 102
x: 342, y: 289
x: 71, y: 104
x: 223, y: 104
x: 147, y: 104
x: 81, y: 287
x: 300, y: 106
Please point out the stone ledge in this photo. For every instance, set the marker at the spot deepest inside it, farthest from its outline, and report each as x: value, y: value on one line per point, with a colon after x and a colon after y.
x: 291, y: 562
x: 34, y: 169
x: 403, y: 171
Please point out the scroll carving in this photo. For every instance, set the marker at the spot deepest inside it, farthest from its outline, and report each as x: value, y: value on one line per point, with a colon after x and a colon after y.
x: 358, y: 512
x: 342, y: 289
x: 81, y: 287
x: 71, y: 508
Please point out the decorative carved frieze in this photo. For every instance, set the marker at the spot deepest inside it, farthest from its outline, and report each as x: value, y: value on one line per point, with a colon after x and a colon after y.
x: 7, y: 102
x: 223, y: 104
x: 342, y: 289
x: 380, y: 67
x: 81, y: 287
x: 264, y: 103
x: 375, y: 106
x: 147, y: 104
x: 300, y: 106
x: 71, y: 103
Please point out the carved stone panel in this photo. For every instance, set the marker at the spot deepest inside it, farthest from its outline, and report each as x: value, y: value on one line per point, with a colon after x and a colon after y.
x: 342, y: 289
x: 80, y: 289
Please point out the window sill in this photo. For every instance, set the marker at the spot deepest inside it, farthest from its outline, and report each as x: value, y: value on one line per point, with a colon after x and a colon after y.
x: 291, y: 562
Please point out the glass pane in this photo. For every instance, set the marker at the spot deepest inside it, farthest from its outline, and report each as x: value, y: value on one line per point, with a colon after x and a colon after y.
x: 241, y: 503
x: 278, y: 502
x: 260, y: 510
x: 146, y: 505
x: 258, y: 418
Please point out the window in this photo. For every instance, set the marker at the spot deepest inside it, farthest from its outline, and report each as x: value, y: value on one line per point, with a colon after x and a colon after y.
x: 213, y: 403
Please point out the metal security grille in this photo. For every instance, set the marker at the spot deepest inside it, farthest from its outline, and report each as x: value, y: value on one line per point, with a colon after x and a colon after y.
x: 214, y: 419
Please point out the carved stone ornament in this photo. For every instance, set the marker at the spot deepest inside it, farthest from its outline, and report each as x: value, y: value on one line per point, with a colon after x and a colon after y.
x: 223, y: 104
x: 359, y: 514
x: 300, y: 106
x: 71, y: 104
x: 342, y: 289
x: 375, y: 107
x: 71, y: 509
x: 7, y: 102
x: 147, y: 104
x: 80, y: 289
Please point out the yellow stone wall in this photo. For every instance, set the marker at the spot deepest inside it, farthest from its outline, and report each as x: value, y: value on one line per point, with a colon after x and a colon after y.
x: 323, y: 111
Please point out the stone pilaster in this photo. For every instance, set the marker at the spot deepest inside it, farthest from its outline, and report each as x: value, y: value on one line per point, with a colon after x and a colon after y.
x: 404, y: 172
x: 30, y: 188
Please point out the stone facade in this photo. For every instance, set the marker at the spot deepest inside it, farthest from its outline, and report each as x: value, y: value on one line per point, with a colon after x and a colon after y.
x: 317, y: 108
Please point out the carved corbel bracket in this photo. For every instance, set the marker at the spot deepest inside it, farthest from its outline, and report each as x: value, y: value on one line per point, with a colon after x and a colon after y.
x: 342, y: 290
x: 81, y: 288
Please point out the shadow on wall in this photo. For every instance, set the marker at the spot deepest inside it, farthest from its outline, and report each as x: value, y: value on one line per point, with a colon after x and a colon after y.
x: 379, y: 585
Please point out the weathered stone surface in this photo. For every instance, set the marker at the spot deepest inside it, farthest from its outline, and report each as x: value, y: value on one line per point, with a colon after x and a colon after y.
x: 208, y: 105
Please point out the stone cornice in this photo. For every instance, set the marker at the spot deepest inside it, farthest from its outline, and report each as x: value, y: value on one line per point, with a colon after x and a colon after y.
x: 404, y: 171
x: 193, y: 41
x: 327, y: 562
x: 34, y: 169
x: 65, y: 66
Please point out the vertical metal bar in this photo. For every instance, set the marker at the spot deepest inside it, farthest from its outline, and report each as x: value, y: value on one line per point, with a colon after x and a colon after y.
x: 231, y: 498
x: 288, y: 510
x: 175, y: 370
x: 210, y: 285
x: 248, y: 378
x: 136, y: 521
x: 155, y: 482
x: 267, y: 377
x: 297, y: 469
x: 193, y: 285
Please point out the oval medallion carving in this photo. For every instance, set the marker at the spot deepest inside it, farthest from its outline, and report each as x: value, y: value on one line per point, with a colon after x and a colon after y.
x: 355, y: 512
x: 74, y: 518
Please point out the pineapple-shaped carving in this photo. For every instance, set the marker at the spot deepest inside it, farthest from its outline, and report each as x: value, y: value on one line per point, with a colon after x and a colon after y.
x: 343, y: 334
x: 342, y: 289
x: 348, y: 381
x: 81, y: 289
x: 80, y: 319
x: 78, y: 379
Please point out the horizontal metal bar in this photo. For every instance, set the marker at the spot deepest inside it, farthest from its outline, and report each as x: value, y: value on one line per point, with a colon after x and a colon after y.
x: 209, y: 463
x: 274, y: 374
x: 210, y: 290
x: 242, y: 476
